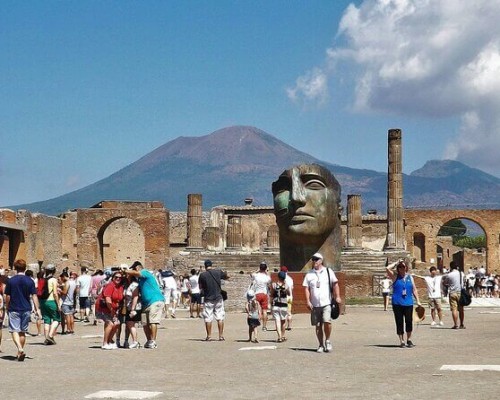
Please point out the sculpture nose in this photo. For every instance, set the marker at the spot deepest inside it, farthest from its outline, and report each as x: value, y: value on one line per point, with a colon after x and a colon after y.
x: 298, y: 191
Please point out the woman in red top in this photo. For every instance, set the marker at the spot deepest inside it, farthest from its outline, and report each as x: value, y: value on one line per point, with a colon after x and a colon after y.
x: 107, y: 308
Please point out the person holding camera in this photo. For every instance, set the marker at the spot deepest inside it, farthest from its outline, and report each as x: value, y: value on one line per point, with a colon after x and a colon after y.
x: 403, y: 291
x: 318, y: 284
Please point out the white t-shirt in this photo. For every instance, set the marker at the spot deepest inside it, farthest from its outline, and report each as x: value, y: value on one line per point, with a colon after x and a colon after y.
x: 317, y: 282
x: 454, y: 280
x: 386, y: 285
x: 193, y: 282
x: 434, y: 286
x: 261, y: 282
x: 289, y: 284
x: 83, y: 282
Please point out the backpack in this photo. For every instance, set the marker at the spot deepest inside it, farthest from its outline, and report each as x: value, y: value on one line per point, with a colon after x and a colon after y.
x: 166, y: 274
x: 42, y: 290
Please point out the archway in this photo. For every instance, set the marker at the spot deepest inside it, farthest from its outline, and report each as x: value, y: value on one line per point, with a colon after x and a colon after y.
x: 462, y: 241
x: 121, y: 241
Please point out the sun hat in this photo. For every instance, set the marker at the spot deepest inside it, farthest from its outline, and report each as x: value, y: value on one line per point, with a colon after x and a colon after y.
x: 250, y: 294
x: 419, y: 314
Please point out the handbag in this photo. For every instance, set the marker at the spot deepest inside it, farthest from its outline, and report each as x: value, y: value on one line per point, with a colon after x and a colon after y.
x: 465, y: 298
x: 335, y: 308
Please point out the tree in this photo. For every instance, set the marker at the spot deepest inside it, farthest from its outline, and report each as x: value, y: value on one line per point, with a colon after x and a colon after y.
x: 454, y: 228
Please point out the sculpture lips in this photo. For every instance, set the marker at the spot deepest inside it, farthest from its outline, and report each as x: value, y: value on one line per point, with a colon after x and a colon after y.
x: 298, y: 218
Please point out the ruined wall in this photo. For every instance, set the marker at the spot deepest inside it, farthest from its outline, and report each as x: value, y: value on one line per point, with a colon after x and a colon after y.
x: 422, y: 227
x: 43, y: 241
x: 151, y: 217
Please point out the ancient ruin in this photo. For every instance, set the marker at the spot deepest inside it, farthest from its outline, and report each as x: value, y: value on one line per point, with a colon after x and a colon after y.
x: 238, y: 237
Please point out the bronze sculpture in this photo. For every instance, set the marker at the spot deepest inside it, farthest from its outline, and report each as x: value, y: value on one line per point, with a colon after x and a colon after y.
x: 307, y: 209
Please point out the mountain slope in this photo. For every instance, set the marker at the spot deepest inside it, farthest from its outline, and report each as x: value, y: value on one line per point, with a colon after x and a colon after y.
x: 233, y: 163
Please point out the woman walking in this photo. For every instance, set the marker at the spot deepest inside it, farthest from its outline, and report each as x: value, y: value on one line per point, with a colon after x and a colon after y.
x: 403, y: 291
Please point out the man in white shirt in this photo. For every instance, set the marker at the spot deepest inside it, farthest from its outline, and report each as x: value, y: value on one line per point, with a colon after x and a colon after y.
x: 320, y: 285
x: 83, y: 284
x: 454, y: 282
x: 434, y: 293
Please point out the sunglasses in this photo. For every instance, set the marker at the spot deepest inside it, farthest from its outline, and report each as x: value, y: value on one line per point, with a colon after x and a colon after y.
x: 118, y: 277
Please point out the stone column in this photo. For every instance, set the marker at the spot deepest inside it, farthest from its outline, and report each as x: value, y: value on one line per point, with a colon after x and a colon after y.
x: 395, y: 228
x: 273, y: 240
x: 354, y: 222
x: 194, y: 222
x: 234, y: 232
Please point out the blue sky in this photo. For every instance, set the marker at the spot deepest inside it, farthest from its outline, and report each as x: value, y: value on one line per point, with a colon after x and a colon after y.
x: 89, y: 87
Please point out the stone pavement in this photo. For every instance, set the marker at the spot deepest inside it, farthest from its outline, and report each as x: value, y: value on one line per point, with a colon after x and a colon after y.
x: 366, y: 362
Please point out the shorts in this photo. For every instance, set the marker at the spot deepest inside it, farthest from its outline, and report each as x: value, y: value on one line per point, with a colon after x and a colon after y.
x: 253, y: 322
x: 213, y: 309
x: 84, y: 302
x: 104, y: 316
x: 195, y: 298
x: 385, y: 294
x: 153, y: 313
x: 19, y: 321
x: 135, y: 318
x: 67, y: 309
x: 435, y: 304
x: 169, y: 295
x: 50, y: 313
x: 454, y: 301
x: 185, y: 295
x: 280, y: 313
x: 321, y: 315
x: 263, y: 300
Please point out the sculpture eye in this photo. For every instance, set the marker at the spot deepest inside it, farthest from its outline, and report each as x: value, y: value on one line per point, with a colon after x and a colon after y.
x: 314, y: 184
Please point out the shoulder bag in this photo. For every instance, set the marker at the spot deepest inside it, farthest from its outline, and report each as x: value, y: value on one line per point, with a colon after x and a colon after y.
x: 333, y: 303
x: 465, y: 298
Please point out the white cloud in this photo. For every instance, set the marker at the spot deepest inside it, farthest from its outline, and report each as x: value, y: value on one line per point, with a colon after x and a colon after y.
x: 425, y: 58
x: 313, y: 86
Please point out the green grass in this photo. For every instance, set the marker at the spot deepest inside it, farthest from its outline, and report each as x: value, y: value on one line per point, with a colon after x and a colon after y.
x: 364, y: 301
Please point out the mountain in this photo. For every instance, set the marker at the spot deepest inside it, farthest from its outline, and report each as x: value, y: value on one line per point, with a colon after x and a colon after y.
x: 237, y: 162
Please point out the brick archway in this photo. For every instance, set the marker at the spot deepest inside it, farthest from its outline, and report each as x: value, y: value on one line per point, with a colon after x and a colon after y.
x: 151, y: 217
x: 428, y: 223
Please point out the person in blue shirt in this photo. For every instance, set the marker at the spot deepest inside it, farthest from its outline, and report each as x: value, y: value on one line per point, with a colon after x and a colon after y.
x: 403, y: 291
x: 151, y: 301
x: 20, y: 289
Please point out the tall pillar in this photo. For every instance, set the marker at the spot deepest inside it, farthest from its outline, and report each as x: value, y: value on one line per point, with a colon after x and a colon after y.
x: 395, y: 228
x: 354, y: 222
x: 194, y: 222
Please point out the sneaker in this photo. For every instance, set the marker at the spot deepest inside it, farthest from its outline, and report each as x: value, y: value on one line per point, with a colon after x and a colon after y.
x: 147, y: 344
x: 410, y: 344
x: 118, y: 344
x: 328, y: 346
x: 107, y: 346
x: 51, y: 340
x: 402, y: 345
x: 134, y: 345
x: 441, y: 323
x: 433, y: 323
x: 320, y: 349
x: 126, y: 344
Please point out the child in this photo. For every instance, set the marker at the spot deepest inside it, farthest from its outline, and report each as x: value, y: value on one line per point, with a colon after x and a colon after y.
x: 254, y: 313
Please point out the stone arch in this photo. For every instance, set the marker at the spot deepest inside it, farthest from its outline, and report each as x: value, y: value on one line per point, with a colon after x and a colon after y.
x: 121, y: 240
x: 429, y: 223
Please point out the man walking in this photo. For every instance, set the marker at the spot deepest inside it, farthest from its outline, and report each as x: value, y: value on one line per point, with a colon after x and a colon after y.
x: 151, y: 301
x: 454, y: 282
x: 210, y: 285
x: 261, y: 284
x: 83, y: 286
x: 434, y: 294
x: 318, y: 283
x: 18, y: 292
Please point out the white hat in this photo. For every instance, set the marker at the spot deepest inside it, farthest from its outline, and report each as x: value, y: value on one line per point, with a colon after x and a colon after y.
x: 317, y: 255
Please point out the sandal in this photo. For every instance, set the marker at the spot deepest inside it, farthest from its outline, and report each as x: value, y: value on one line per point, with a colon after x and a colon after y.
x: 21, y: 356
x: 208, y: 339
x: 279, y: 340
x: 221, y: 339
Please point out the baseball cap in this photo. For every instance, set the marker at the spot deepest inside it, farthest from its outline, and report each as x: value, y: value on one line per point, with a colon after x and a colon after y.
x: 284, y: 269
x: 317, y: 255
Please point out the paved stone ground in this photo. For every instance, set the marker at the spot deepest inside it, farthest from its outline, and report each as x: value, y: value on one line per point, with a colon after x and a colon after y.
x: 365, y: 364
